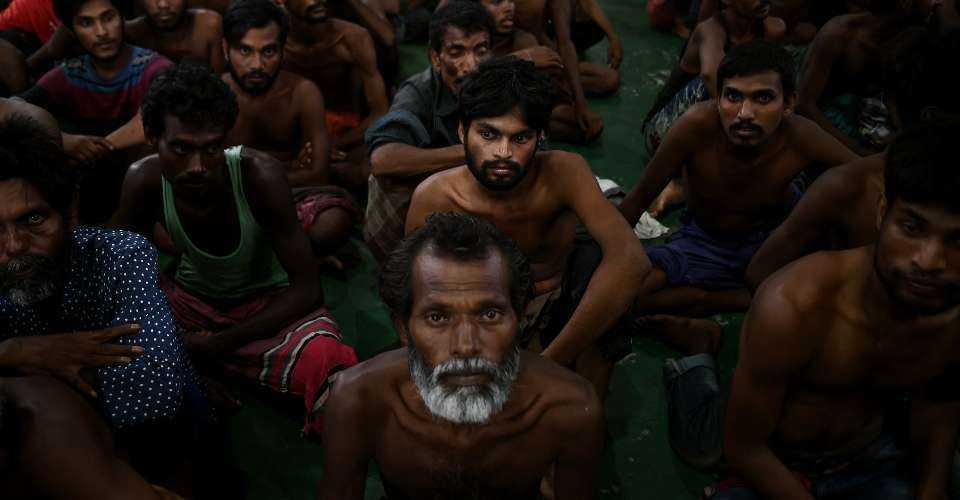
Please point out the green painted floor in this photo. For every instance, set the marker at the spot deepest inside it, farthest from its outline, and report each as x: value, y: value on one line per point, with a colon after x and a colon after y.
x: 638, y: 464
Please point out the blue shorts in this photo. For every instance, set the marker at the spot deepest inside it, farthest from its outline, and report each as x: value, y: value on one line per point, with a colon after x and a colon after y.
x: 694, y: 258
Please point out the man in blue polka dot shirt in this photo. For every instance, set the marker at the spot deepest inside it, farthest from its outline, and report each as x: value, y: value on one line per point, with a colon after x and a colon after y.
x: 80, y: 307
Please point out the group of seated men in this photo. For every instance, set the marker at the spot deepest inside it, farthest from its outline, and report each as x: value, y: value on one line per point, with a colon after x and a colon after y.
x: 514, y: 285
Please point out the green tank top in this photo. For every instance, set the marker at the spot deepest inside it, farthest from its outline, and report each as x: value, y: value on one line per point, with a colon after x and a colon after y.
x: 252, y: 266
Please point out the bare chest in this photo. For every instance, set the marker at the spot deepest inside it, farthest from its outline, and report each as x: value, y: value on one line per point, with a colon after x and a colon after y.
x: 722, y: 185
x: 531, y: 16
x: 270, y: 125
x: 331, y: 68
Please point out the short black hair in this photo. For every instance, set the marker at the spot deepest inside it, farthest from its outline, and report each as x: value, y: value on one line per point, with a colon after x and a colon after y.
x: 919, y: 75
x: 29, y: 151
x: 458, y: 236
x: 502, y: 84
x: 470, y: 17
x: 921, y: 165
x: 244, y: 15
x: 191, y: 92
x: 66, y: 10
x: 758, y: 56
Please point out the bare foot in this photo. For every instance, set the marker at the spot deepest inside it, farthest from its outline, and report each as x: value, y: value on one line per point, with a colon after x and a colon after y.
x: 687, y: 335
x: 671, y: 196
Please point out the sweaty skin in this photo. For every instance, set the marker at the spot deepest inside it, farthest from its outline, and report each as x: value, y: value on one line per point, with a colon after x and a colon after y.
x: 552, y: 419
x: 540, y: 214
x: 196, y: 37
x: 727, y: 195
x: 48, y: 415
x: 281, y: 122
x: 705, y: 49
x: 844, y: 58
x: 822, y: 350
x: 335, y: 55
x: 816, y: 223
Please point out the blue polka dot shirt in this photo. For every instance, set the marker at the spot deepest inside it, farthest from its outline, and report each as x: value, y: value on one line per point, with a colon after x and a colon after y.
x: 112, y: 280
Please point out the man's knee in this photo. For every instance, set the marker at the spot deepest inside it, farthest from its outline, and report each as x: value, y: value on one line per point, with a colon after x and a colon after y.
x: 330, y: 230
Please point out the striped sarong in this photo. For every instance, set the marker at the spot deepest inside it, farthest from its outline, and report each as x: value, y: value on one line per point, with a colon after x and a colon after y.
x: 297, y: 360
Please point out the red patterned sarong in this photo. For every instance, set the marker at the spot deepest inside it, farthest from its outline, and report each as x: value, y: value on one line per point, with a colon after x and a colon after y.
x: 298, y: 360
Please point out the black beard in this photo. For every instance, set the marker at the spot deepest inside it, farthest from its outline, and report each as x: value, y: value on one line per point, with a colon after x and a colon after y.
x: 479, y: 172
x: 889, y: 283
x: 253, y: 92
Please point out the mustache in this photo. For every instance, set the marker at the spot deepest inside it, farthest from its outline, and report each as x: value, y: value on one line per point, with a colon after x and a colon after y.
x: 491, y: 164
x: 465, y: 367
x: 30, y: 278
x: 256, y: 74
x: 746, y: 126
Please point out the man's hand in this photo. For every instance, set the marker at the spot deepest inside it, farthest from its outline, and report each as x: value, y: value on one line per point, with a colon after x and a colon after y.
x: 337, y: 154
x: 86, y: 149
x: 200, y: 343
x: 304, y: 158
x: 65, y: 355
x: 542, y: 57
x: 614, y: 53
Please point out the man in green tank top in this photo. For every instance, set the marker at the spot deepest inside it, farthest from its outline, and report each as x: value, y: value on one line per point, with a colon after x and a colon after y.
x: 246, y: 291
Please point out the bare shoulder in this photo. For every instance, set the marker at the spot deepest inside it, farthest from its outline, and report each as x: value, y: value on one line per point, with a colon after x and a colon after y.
x: 368, y: 383
x: 845, y: 184
x: 352, y: 33
x: 136, y: 29
x: 524, y: 39
x: 207, y: 18
x: 261, y: 170
x: 440, y: 182
x: 303, y: 88
x: 701, y: 118
x: 840, y: 27
x: 144, y: 175
x: 569, y: 398
x: 804, y: 288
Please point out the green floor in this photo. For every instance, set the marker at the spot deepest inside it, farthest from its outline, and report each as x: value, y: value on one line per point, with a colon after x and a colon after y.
x: 638, y: 463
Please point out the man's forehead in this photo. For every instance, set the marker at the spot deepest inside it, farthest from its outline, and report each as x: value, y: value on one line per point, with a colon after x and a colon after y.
x: 510, y: 123
x: 176, y: 129
x: 258, y: 37
x: 767, y: 80
x: 936, y: 214
x: 434, y: 276
x: 456, y: 36
x: 19, y: 196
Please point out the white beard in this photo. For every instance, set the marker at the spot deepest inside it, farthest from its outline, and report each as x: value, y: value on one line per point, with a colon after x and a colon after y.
x: 468, y: 405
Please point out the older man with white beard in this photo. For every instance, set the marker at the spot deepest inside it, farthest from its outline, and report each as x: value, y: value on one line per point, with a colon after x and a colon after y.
x: 461, y: 412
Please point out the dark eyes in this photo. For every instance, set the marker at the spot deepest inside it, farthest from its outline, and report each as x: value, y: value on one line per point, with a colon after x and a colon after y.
x: 436, y: 317
x: 490, y: 315
x: 35, y: 219
x: 488, y: 135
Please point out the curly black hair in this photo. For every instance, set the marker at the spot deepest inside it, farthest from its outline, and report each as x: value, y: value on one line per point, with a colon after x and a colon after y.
x: 500, y: 85
x: 244, y: 15
x: 29, y: 152
x: 191, y: 92
x: 470, y: 17
x: 457, y: 236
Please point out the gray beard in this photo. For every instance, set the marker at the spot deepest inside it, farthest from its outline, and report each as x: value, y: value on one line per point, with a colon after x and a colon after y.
x: 44, y: 283
x: 464, y: 405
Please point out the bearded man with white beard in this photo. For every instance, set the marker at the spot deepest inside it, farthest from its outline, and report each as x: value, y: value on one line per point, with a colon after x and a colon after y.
x: 461, y: 412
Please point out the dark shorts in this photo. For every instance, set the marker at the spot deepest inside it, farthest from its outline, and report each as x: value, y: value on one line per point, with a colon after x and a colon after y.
x: 548, y: 314
x: 692, y: 257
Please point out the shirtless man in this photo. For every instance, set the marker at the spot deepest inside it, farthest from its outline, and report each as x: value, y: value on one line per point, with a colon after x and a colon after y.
x: 537, y: 198
x: 694, y: 79
x: 170, y: 28
x: 246, y: 288
x: 842, y: 67
x: 335, y: 54
x: 508, y: 40
x: 835, y: 338
x: 462, y: 412
x: 533, y: 17
x: 282, y: 113
x: 741, y: 154
x: 590, y: 26
x: 797, y: 15
x: 816, y: 223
